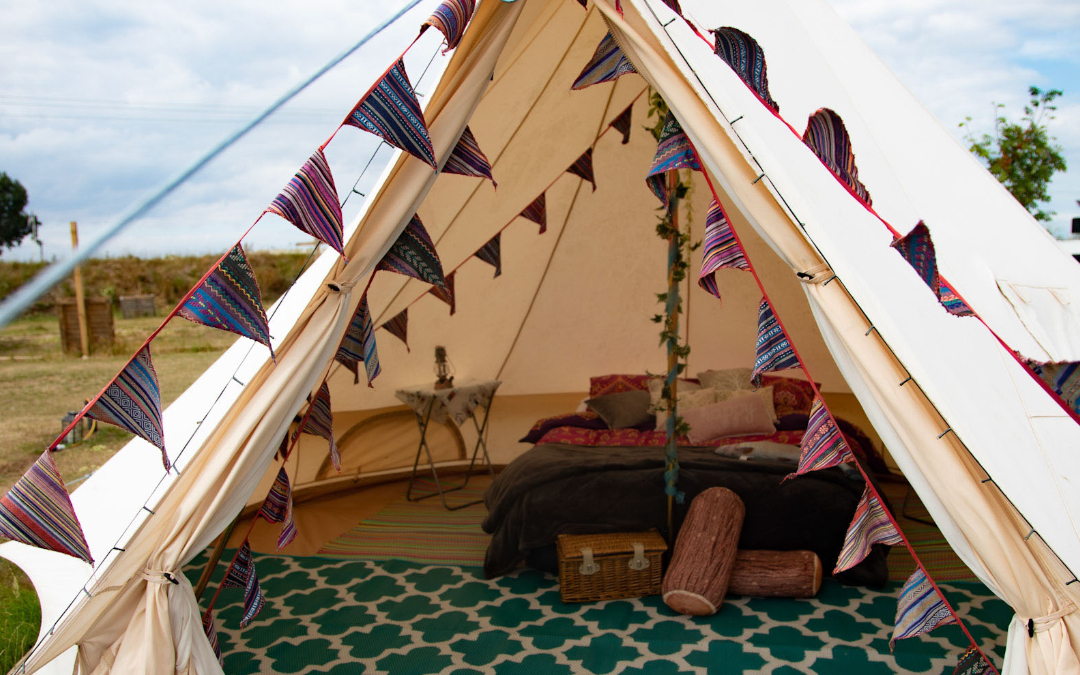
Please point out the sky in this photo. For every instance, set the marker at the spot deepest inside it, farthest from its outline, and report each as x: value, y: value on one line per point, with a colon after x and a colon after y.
x: 101, y: 101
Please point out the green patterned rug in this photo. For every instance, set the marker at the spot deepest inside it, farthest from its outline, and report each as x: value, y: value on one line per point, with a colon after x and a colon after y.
x: 361, y: 616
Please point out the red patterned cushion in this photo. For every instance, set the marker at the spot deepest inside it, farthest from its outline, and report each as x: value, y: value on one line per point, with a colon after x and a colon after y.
x: 790, y: 396
x: 616, y: 384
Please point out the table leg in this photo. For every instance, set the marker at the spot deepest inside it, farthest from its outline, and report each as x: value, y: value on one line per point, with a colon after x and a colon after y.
x: 425, y: 448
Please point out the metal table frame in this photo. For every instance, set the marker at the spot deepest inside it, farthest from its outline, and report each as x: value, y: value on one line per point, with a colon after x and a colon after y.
x: 481, y: 443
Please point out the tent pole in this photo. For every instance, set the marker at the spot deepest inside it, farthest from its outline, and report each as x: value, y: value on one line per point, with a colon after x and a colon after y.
x: 215, y: 556
x: 672, y: 307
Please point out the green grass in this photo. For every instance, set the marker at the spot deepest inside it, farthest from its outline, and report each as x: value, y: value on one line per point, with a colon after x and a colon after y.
x: 20, y: 615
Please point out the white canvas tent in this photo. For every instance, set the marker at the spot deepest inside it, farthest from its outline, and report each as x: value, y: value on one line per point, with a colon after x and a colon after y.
x: 575, y: 302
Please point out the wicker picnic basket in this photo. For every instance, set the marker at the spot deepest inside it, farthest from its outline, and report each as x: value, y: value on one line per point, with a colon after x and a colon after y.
x: 609, y: 566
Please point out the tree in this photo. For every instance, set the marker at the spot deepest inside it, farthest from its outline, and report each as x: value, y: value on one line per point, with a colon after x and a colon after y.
x: 15, y: 223
x: 1022, y: 155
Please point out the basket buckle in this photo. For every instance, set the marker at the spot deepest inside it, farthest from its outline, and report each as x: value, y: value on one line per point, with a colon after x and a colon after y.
x: 588, y: 567
x: 639, y: 561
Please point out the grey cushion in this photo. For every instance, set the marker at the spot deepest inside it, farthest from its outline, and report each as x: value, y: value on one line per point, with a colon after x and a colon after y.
x: 622, y: 410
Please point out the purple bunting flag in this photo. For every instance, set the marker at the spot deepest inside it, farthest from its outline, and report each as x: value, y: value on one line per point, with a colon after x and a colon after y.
x: 823, y: 445
x: 583, y: 167
x: 414, y: 255
x: 133, y: 402
x: 37, y: 511
x: 722, y: 249
x: 828, y: 138
x: 310, y: 202
x: 870, y: 525
x: 278, y: 508
x: 537, y: 212
x: 391, y: 112
x: 491, y: 253
x: 229, y: 300
x: 468, y: 160
x: 399, y: 327
x: 211, y: 633
x: 359, y: 342
x: 241, y: 574
x: 446, y: 293
x: 608, y: 63
x: 920, y: 609
x: 918, y: 250
x: 774, y: 350
x: 672, y: 152
x: 451, y: 18
x: 320, y: 422
x: 622, y: 123
x: 746, y: 58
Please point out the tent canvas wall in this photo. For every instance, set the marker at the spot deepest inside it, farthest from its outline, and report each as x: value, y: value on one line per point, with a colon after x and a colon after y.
x: 575, y: 302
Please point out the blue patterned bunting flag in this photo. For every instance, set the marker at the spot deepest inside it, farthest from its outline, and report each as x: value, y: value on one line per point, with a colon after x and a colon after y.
x: 229, y: 299
x: 278, y: 508
x: 468, y: 160
x: 918, y: 250
x: 451, y: 18
x: 399, y: 327
x: 241, y: 574
x: 537, y: 212
x: 672, y: 152
x: 359, y: 342
x: 828, y: 138
x: 37, y: 511
x: 133, y: 402
x: 774, y: 351
x: 952, y: 302
x: 310, y: 202
x: 722, y: 249
x: 746, y: 58
x: 870, y: 525
x: 391, y: 112
x: 583, y: 167
x: 414, y: 255
x: 320, y: 422
x: 920, y: 609
x: 607, y: 64
x: 622, y: 123
x: 446, y: 293
x: 491, y: 253
x: 823, y: 446
x: 1062, y: 378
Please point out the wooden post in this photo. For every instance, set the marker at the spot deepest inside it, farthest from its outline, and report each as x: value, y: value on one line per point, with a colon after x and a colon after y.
x: 215, y: 556
x: 673, y: 329
x: 80, y: 303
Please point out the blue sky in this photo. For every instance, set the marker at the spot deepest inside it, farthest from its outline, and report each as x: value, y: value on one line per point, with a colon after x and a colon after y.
x: 102, y: 100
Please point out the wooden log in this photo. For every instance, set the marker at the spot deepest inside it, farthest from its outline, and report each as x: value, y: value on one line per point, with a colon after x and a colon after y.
x: 697, y: 579
x: 776, y: 574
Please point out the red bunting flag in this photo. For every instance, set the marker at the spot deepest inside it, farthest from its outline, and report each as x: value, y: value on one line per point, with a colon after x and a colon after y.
x: 468, y: 159
x: 537, y: 212
x: 278, y: 508
x: 37, y: 511
x: 870, y: 525
x: 241, y: 574
x: 451, y: 18
x: 583, y: 167
x: 310, y: 202
x: 359, y: 343
x: 823, y: 446
x: 399, y: 327
x: 622, y: 123
x: 722, y: 249
x: 320, y: 422
x: 491, y: 253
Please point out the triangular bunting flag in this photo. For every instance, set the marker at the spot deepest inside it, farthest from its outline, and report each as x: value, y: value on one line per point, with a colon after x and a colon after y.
x: 451, y: 18
x: 1062, y: 378
x: 822, y: 445
x: 390, y: 111
x: 721, y: 249
x: 672, y: 152
x: 468, y: 160
x: 241, y: 574
x: 774, y: 351
x: 972, y: 662
x: 607, y: 64
x: 310, y: 202
x: 229, y: 300
x: 211, y: 633
x: 320, y: 422
x: 399, y: 327
x: 674, y: 5
x: 622, y: 123
x: 746, y: 58
x: 351, y: 366
x: 414, y: 255
x: 870, y: 525
x: 827, y: 136
x: 359, y: 342
x: 583, y: 167
x: 919, y: 609
x: 918, y: 250
x: 952, y: 302
x: 37, y: 511
x: 446, y: 293
x: 537, y: 212
x: 133, y: 402
x: 278, y: 508
x: 491, y: 253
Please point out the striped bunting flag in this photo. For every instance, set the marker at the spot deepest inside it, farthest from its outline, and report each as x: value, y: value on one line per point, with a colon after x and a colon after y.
x: 774, y: 351
x: 468, y: 160
x: 918, y: 250
x: 310, y: 202
x: 721, y: 249
x: 870, y: 525
x: 353, y: 367
x: 919, y: 609
x: 622, y: 123
x: 211, y: 633
x: 608, y: 63
x: 1062, y: 378
x: 414, y: 255
x: 37, y: 511
x: 399, y: 327
x: 132, y: 402
x: 390, y: 111
x: 446, y: 293
x: 491, y: 253
x: 972, y: 662
x: 746, y: 58
x: 672, y: 152
x: 241, y: 574
x: 451, y: 18
x: 827, y: 136
x: 320, y: 422
x: 359, y: 342
x: 822, y: 445
x: 537, y: 212
x: 583, y: 167
x: 951, y: 301
x: 229, y: 299
x: 278, y: 508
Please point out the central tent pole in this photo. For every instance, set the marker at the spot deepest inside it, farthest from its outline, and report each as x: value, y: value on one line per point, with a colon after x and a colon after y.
x: 671, y: 307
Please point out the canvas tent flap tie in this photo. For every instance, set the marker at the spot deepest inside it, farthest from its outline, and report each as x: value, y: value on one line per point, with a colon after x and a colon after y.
x: 1043, y: 623
x: 816, y: 274
x: 161, y: 577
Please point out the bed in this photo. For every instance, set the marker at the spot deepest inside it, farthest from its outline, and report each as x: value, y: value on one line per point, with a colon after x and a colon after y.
x: 583, y: 477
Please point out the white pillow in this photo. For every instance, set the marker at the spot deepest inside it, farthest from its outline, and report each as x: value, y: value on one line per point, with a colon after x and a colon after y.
x: 766, y: 394
x: 730, y: 379
x: 688, y: 400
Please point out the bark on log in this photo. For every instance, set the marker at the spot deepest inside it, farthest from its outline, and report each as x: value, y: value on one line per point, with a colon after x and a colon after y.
x: 776, y: 574
x: 697, y: 578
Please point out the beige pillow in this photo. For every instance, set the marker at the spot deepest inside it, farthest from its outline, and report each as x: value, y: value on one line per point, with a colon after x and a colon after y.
x: 739, y: 416
x: 656, y: 386
x: 688, y: 400
x: 730, y: 379
x: 766, y: 394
